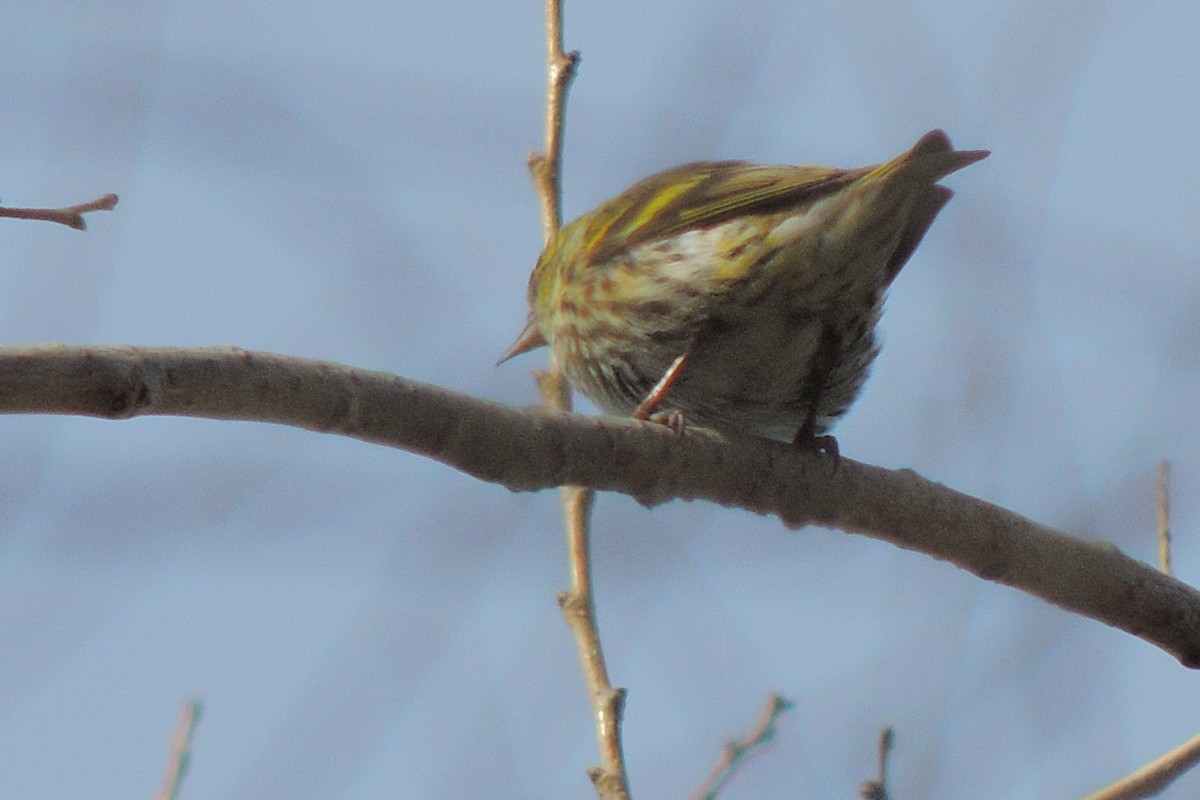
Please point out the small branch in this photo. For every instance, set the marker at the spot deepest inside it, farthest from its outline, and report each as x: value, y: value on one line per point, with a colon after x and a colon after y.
x: 877, y: 789
x: 1164, y: 516
x: 546, y: 166
x: 527, y: 449
x: 737, y: 751
x: 579, y: 610
x: 578, y: 604
x: 71, y: 216
x: 181, y: 745
x: 1155, y: 776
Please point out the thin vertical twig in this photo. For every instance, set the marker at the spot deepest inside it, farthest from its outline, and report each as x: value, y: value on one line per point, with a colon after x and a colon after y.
x: 578, y: 604
x: 547, y: 165
x: 181, y: 745
x: 876, y: 789
x: 1164, y: 516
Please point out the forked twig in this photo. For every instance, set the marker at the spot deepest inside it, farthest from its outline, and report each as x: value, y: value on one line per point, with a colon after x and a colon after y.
x: 71, y: 216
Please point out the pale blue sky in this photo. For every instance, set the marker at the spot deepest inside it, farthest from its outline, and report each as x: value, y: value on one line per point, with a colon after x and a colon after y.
x: 348, y: 182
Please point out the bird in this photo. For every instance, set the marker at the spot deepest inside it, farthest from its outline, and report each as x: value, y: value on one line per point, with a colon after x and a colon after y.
x: 736, y: 296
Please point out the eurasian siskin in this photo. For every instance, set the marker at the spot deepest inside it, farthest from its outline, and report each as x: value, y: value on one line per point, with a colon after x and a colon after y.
x: 733, y: 295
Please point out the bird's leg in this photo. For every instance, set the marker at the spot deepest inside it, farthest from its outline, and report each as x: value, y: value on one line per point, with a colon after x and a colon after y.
x: 648, y: 408
x: 818, y: 376
x: 806, y: 439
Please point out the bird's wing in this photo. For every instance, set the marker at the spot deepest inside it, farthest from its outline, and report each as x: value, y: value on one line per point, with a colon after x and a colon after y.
x: 702, y: 195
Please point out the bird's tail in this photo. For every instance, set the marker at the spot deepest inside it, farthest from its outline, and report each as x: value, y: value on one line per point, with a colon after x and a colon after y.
x: 932, y: 158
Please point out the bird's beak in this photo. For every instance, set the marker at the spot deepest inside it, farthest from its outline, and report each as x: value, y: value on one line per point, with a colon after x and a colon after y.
x: 530, y: 339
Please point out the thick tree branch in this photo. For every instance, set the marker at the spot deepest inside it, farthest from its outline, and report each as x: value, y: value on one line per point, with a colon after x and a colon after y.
x: 527, y: 449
